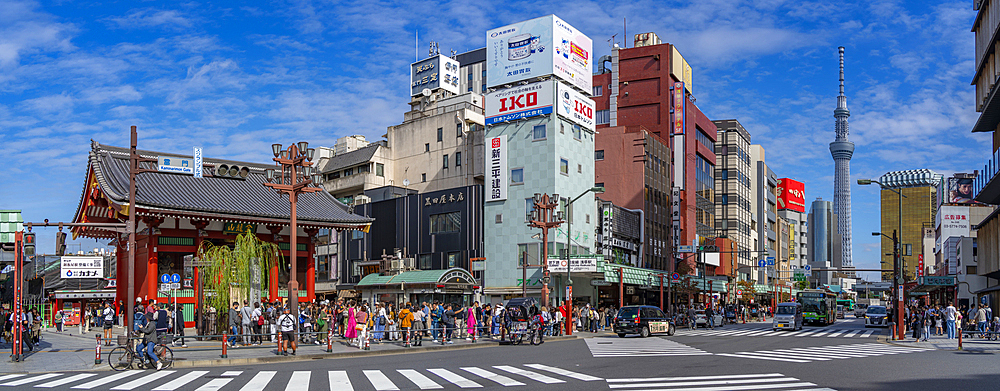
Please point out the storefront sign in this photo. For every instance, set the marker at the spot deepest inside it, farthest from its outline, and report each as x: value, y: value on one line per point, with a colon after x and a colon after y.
x: 679, y: 108
x: 444, y: 199
x: 496, y: 169
x: 435, y: 72
x: 175, y: 165
x: 81, y: 267
x: 582, y: 265
x: 232, y: 228
x: 938, y: 280
x: 600, y: 283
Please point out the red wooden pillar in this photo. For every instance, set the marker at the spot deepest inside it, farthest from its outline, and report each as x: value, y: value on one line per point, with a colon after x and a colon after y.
x: 272, y: 278
x: 153, y: 265
x: 311, y: 263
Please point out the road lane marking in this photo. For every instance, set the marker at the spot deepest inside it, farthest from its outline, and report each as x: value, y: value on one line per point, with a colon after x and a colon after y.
x: 259, y: 381
x: 379, y: 380
x: 499, y: 379
x: 56, y: 383
x: 454, y: 378
x: 339, y: 381
x: 27, y: 380
x: 299, y: 381
x: 180, y: 381
x: 560, y: 371
x: 215, y: 384
x: 105, y: 380
x: 143, y: 380
x: 529, y: 374
x: 419, y: 379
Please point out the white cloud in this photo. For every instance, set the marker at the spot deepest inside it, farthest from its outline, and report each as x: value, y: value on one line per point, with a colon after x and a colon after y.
x: 24, y: 31
x: 149, y: 17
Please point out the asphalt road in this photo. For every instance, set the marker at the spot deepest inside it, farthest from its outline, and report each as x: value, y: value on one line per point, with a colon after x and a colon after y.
x: 697, y: 361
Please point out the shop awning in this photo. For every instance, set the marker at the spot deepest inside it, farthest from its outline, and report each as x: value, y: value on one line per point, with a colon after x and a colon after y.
x: 85, y: 294
x: 648, y: 277
x: 449, y: 276
x: 988, y: 290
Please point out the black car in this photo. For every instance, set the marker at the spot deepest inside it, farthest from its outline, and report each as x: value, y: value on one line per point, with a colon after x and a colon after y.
x: 643, y: 320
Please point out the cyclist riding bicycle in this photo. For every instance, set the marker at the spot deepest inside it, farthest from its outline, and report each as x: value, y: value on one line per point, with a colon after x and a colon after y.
x: 149, y: 341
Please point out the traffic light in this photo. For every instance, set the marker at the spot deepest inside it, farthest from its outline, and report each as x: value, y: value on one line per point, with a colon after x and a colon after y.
x: 29, y: 244
x: 60, y: 243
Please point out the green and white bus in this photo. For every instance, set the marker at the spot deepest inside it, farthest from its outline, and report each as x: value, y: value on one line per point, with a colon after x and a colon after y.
x: 847, y: 303
x: 818, y: 306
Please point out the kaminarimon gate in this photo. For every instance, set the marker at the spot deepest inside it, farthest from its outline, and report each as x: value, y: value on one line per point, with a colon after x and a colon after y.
x: 177, y: 212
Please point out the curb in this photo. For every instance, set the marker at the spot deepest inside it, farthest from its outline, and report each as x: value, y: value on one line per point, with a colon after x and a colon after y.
x: 322, y: 356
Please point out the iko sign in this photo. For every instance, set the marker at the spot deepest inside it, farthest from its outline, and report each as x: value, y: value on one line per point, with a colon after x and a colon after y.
x: 575, y: 106
x: 679, y: 102
x: 539, y: 47
x: 81, y: 267
x: 519, y: 102
x: 434, y: 72
x: 177, y: 165
x: 496, y: 169
x: 578, y: 265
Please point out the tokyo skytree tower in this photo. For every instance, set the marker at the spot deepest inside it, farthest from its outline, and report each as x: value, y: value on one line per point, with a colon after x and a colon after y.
x: 842, y: 150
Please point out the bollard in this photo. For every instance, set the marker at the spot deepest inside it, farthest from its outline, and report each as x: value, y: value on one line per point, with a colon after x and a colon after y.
x: 97, y: 352
x: 959, y: 339
x: 475, y: 333
x: 329, y: 340
x: 367, y: 339
x: 225, y: 345
x: 279, y: 350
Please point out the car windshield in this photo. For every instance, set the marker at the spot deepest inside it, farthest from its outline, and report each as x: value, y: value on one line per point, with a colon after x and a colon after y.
x: 786, y: 310
x: 628, y: 312
x: 700, y: 312
x: 876, y: 310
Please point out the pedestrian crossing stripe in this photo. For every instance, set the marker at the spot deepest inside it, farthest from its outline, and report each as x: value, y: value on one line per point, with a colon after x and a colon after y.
x: 428, y: 379
x: 768, y: 332
x: 825, y: 353
x: 636, y: 347
x: 762, y: 381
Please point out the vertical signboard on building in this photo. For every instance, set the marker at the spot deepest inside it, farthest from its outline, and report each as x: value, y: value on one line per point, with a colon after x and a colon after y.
x: 675, y: 214
x: 679, y: 108
x: 496, y: 169
x: 198, y: 162
x: 575, y: 106
x: 539, y: 47
x: 523, y: 101
x: 920, y: 265
x: 434, y: 72
x: 678, y: 133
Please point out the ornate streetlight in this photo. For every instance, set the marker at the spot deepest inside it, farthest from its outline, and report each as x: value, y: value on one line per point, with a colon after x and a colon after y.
x: 294, y: 178
x: 544, y: 216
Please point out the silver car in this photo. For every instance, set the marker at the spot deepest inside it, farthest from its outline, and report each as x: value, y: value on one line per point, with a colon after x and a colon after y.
x: 876, y: 316
x: 787, y: 317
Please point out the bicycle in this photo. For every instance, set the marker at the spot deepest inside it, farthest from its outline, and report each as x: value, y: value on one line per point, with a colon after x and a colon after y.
x: 125, y: 357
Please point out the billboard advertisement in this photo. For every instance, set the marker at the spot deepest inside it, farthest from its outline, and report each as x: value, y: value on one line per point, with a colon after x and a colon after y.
x: 958, y: 189
x: 496, y: 168
x: 523, y: 101
x: 680, y: 68
x: 434, y: 72
x: 81, y: 267
x: 791, y: 195
x: 953, y: 221
x: 539, y: 47
x: 575, y: 106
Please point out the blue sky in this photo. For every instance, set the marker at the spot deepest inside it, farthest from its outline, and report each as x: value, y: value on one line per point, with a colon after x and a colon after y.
x: 235, y: 80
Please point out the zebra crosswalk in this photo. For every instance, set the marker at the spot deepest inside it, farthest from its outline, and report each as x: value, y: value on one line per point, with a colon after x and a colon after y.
x: 768, y: 332
x: 762, y: 381
x: 825, y: 353
x: 526, y: 375
x: 636, y: 347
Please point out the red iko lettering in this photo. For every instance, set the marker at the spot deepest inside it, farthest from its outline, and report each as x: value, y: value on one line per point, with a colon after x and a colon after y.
x: 519, y: 102
x: 584, y: 109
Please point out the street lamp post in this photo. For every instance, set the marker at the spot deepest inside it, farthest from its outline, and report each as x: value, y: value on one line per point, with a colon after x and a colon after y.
x: 569, y: 266
x: 295, y: 176
x: 896, y: 251
x: 544, y: 216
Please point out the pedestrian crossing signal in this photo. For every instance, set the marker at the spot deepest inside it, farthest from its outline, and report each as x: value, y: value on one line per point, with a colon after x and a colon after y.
x: 29, y: 244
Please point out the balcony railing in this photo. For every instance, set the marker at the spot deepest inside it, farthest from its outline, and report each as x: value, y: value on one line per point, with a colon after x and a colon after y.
x: 985, y: 187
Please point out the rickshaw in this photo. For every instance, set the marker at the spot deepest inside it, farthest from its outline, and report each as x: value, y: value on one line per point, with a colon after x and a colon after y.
x: 520, y: 320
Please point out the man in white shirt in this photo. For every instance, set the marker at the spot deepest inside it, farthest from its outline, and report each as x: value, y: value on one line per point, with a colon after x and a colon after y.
x: 286, y: 322
x: 949, y: 317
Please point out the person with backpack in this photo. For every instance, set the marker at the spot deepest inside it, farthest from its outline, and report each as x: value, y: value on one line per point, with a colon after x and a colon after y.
x: 257, y: 323
x: 361, y: 320
x: 109, y: 322
x: 286, y: 323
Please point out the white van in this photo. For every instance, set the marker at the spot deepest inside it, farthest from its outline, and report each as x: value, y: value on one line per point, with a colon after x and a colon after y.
x: 788, y: 316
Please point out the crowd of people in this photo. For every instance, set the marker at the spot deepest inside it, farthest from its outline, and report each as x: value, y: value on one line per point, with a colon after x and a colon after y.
x: 924, y: 321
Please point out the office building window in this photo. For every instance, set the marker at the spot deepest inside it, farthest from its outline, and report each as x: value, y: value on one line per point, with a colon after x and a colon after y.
x: 425, y: 262
x: 599, y: 184
x: 484, y: 75
x: 446, y: 222
x: 602, y: 117
x: 517, y: 176
x: 598, y: 90
x: 579, y: 168
x: 440, y: 134
x: 458, y: 159
x: 599, y: 154
x: 379, y: 169
x: 356, y: 234
x: 349, y: 172
x: 423, y: 177
x: 470, y: 76
x: 577, y: 132
x: 445, y: 161
x: 427, y: 147
x: 469, y: 89
x: 529, y: 206
x: 538, y: 132
x: 452, y: 259
x: 458, y: 130
x: 484, y: 88
x: 498, y: 218
x: 564, y: 166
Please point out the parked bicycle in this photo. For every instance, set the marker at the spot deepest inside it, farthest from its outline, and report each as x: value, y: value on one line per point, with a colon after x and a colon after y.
x: 126, y: 357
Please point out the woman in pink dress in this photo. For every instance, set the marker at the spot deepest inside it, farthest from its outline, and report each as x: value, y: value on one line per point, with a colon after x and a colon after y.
x: 351, y: 332
x: 470, y: 322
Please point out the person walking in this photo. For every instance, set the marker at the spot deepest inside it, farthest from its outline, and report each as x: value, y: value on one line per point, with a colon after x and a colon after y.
x: 419, y: 319
x: 436, y: 313
x: 286, y: 323
x: 361, y: 325
x: 448, y: 324
x: 470, y: 321
x: 234, y: 324
x: 950, y: 318
x: 938, y: 320
x: 405, y: 319
x: 109, y: 322
x: 350, y: 329
x: 981, y: 320
x: 178, y: 326
x: 246, y: 319
x: 710, y: 316
x: 58, y: 320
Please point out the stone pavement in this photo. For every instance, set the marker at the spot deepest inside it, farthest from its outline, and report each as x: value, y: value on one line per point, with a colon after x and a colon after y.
x: 68, y: 351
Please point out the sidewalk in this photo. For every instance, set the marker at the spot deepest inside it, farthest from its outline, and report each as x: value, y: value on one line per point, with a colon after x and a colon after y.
x: 943, y: 343
x: 69, y: 351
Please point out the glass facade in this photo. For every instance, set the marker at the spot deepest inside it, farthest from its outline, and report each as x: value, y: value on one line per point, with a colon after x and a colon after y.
x: 705, y: 197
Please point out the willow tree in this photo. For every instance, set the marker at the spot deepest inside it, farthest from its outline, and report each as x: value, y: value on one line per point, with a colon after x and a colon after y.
x: 234, y: 273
